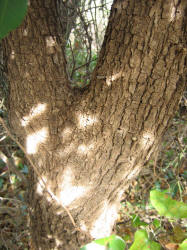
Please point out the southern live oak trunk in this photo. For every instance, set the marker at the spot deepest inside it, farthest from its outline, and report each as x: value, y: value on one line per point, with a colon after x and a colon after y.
x: 89, y: 145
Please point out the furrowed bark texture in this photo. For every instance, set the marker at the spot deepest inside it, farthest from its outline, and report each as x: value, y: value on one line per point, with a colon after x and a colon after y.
x: 88, y: 146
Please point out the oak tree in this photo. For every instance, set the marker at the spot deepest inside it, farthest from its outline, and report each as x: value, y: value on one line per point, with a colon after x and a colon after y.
x: 86, y: 146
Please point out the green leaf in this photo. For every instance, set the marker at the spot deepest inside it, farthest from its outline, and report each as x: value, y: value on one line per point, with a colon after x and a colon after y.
x: 93, y: 246
x: 116, y: 243
x: 142, y: 242
x: 1, y: 183
x: 136, y: 222
x: 183, y: 245
x: 126, y: 237
x: 166, y: 206
x: 112, y: 242
x: 25, y: 169
x: 156, y: 223
x: 169, y: 153
x: 12, y: 13
x: 184, y: 174
x: 103, y: 241
x: 185, y: 140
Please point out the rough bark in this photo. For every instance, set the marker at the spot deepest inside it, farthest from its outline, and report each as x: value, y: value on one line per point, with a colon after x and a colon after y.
x: 89, y: 145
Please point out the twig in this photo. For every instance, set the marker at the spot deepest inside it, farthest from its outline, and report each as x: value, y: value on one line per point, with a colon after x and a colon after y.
x: 73, y: 59
x: 85, y: 64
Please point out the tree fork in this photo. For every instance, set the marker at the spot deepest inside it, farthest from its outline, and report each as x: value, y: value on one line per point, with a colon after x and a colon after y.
x: 89, y: 146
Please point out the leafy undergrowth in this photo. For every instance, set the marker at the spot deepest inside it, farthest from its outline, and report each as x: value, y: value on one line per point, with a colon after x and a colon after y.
x: 14, y: 230
x: 167, y: 171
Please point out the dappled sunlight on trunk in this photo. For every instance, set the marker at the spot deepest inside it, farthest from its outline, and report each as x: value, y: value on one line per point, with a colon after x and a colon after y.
x: 35, y: 112
x: 34, y: 140
x: 86, y: 120
x: 105, y: 221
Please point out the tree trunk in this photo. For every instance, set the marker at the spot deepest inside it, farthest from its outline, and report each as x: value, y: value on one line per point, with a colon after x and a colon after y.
x: 88, y: 146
